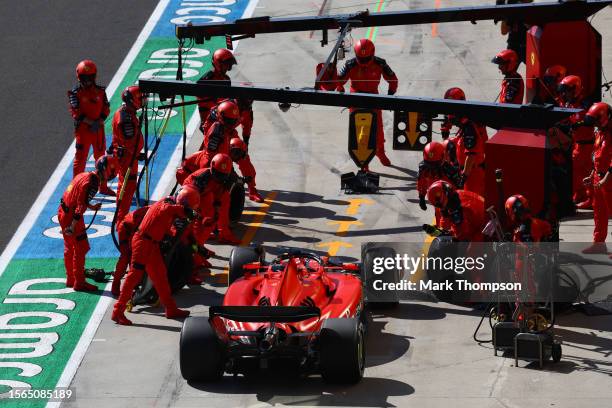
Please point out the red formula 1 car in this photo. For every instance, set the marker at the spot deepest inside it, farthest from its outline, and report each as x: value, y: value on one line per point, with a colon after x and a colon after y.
x: 300, y: 311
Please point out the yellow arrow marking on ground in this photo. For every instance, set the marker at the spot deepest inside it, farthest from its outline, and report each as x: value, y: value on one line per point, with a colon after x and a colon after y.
x: 355, y: 203
x: 258, y: 218
x: 363, y: 124
x: 344, y: 226
x: 412, y: 132
x: 334, y: 246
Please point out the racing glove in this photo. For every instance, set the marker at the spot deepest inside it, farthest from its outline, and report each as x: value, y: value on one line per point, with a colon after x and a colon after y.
x: 432, y: 230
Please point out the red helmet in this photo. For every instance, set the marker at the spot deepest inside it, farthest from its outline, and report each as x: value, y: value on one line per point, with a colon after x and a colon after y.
x: 570, y: 88
x: 221, y: 166
x: 554, y: 74
x: 517, y: 207
x: 225, y: 57
x: 238, y: 149
x: 188, y: 197
x: 364, y: 50
x: 507, y: 60
x: 86, y: 67
x: 229, y: 114
x: 132, y: 96
x: 107, y: 166
x: 438, y: 193
x: 433, y: 152
x: 599, y: 115
x: 455, y: 93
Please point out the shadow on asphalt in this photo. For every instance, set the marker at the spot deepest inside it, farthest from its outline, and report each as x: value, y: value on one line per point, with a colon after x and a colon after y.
x: 384, y: 347
x: 405, y: 170
x: 306, y: 212
x: 301, y: 198
x: 384, y: 231
x: 157, y: 327
x: 277, y: 389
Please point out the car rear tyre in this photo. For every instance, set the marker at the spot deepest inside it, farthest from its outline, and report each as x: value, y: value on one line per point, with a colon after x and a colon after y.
x: 241, y: 256
x: 201, y: 352
x: 342, y: 351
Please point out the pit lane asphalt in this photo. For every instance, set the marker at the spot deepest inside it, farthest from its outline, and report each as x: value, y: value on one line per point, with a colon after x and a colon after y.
x: 41, y: 42
x: 420, y: 355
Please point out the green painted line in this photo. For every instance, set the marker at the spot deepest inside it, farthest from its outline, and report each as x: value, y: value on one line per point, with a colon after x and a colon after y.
x: 373, y: 31
x: 69, y: 332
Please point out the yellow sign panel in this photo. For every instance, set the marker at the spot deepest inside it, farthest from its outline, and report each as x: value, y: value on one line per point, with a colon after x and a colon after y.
x: 411, y: 132
x: 363, y: 128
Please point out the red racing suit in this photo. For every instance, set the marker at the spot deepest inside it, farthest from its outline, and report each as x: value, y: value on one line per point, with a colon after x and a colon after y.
x: 74, y: 203
x: 88, y: 104
x: 214, y: 205
x: 465, y: 214
x: 198, y: 160
x: 512, y: 89
x: 217, y: 140
x: 126, y: 145
x: 205, y: 104
x: 429, y: 173
x: 470, y: 141
x: 532, y: 230
x: 602, y: 196
x: 125, y: 232
x: 583, y: 137
x: 246, y: 118
x: 146, y: 254
x: 365, y: 79
x: 328, y: 80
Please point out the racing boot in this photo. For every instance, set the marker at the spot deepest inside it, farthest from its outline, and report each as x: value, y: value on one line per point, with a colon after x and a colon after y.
x: 585, y: 205
x: 105, y: 190
x: 254, y: 194
x: 118, y: 315
x: 84, y: 287
x: 176, y: 313
x: 596, y: 248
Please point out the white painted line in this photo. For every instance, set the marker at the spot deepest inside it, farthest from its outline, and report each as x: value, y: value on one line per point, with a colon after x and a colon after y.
x: 169, y: 174
x: 98, y: 313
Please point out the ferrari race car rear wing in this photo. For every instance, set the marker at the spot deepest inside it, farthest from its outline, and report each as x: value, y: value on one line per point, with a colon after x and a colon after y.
x: 276, y: 314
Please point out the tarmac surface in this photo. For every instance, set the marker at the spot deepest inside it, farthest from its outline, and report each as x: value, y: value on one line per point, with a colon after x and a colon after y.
x: 41, y: 43
x: 418, y: 355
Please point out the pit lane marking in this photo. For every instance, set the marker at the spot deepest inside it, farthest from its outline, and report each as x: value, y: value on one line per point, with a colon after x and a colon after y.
x: 344, y: 226
x: 434, y: 26
x: 334, y: 246
x: 373, y: 31
x: 258, y: 218
x: 355, y: 203
x: 419, y: 274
